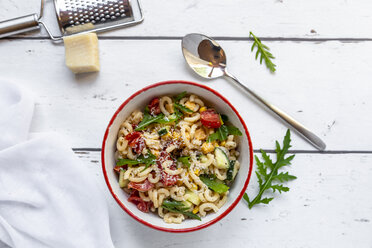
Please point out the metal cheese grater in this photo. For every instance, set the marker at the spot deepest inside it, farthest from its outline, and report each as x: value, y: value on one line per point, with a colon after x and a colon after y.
x: 79, y: 16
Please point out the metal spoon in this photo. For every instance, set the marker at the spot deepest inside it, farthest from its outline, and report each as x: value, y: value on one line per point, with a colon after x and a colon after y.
x: 207, y: 58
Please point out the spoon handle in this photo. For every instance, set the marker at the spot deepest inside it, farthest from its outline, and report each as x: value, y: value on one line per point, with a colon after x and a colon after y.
x: 301, y: 129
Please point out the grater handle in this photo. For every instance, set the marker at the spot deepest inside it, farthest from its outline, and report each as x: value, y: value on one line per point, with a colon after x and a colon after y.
x: 19, y: 25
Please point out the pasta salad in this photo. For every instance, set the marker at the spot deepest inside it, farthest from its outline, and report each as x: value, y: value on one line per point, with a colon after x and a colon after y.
x: 178, y: 157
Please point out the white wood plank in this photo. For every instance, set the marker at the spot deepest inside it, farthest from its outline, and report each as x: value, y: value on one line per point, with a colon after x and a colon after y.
x: 328, y: 205
x: 324, y: 85
x: 267, y: 18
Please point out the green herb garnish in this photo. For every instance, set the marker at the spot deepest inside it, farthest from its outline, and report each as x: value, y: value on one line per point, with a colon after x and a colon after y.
x: 264, y: 51
x: 224, y: 118
x: 234, y: 131
x: 213, y: 184
x: 180, y: 96
x: 267, y: 172
x: 173, y: 204
x: 182, y: 108
x: 213, y: 136
x: 179, y: 207
x: 148, y: 119
x: 222, y: 132
x: 170, y: 118
x: 147, y: 159
x: 178, y: 114
x: 184, y: 160
x: 161, y: 118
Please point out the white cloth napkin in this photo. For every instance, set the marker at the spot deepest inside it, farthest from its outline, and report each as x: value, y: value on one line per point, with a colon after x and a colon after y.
x: 47, y: 197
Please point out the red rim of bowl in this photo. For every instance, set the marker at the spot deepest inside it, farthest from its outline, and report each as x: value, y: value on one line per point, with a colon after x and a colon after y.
x: 227, y: 211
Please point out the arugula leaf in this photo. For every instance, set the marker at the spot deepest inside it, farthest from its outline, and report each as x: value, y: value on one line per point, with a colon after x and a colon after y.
x: 222, y: 132
x: 180, y: 96
x: 234, y: 130
x: 283, y: 177
x: 224, y: 118
x: 147, y: 110
x: 178, y: 114
x: 147, y: 159
x: 267, y: 172
x: 213, y: 136
x: 184, y: 160
x: 169, y: 119
x: 182, y: 108
x: 187, y: 213
x: 179, y: 207
x: 171, y: 204
x: 147, y: 120
x: 126, y: 161
x: 192, y: 215
x: 264, y: 51
x: 161, y: 118
x: 211, y: 182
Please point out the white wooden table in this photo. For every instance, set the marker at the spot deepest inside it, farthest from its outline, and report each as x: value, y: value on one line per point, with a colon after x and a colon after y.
x: 323, y: 51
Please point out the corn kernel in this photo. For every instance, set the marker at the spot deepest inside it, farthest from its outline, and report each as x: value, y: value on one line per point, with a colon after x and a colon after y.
x: 176, y: 135
x: 190, y: 105
x: 202, y: 109
x: 215, y: 144
x: 223, y: 143
x: 197, y: 172
x: 195, y: 210
x: 167, y: 136
x: 207, y: 147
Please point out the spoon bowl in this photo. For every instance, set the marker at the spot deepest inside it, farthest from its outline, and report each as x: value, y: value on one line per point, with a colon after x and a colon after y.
x: 207, y: 58
x: 204, y: 55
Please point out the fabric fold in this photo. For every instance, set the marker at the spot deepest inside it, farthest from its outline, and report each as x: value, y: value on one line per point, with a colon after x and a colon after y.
x: 47, y: 197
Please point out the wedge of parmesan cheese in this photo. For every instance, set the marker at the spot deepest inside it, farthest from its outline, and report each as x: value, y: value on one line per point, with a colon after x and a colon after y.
x: 82, y: 52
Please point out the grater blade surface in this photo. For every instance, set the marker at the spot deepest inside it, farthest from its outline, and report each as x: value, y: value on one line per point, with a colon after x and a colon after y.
x: 75, y: 16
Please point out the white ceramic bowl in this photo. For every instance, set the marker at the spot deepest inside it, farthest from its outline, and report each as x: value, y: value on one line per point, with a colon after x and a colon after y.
x: 138, y: 101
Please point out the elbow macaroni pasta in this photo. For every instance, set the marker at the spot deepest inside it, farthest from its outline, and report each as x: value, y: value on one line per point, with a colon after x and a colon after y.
x: 184, y: 137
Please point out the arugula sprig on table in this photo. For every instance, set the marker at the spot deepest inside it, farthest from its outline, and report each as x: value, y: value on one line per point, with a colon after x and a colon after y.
x: 268, y: 174
x: 179, y: 207
x: 264, y: 51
